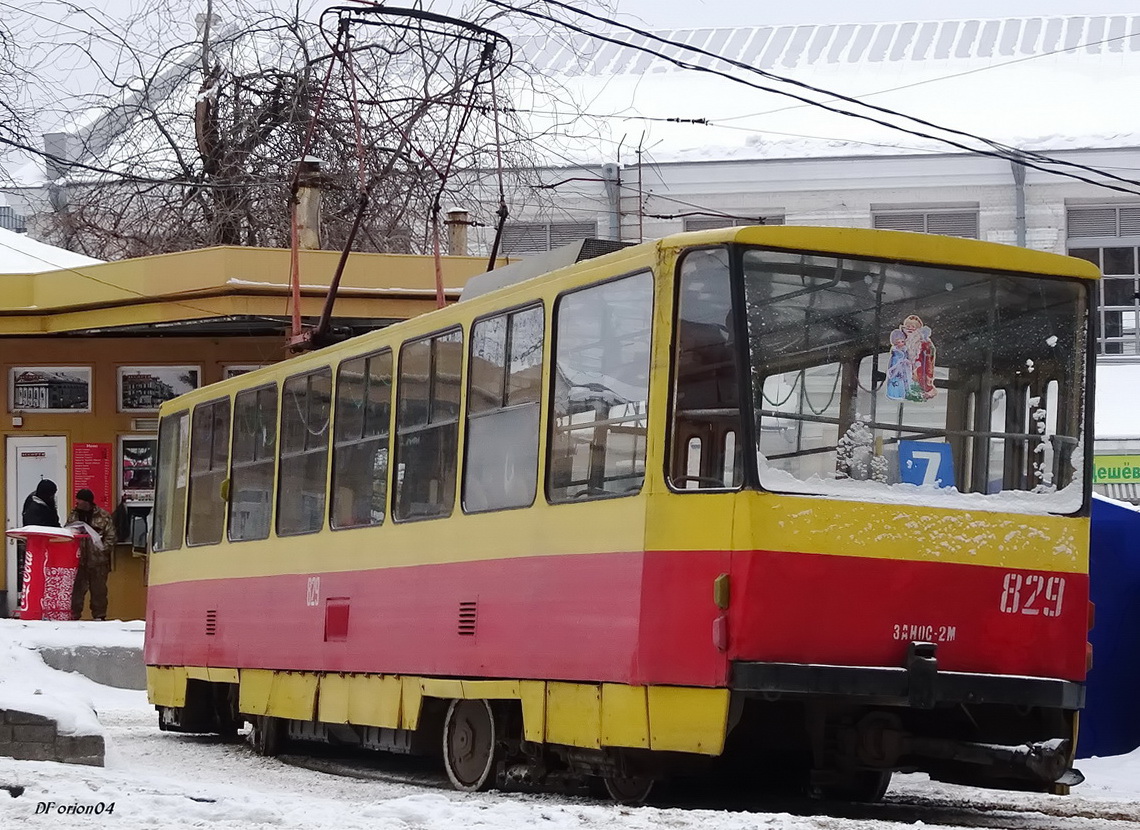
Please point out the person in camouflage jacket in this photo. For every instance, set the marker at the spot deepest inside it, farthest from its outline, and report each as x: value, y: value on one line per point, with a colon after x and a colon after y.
x: 94, y: 563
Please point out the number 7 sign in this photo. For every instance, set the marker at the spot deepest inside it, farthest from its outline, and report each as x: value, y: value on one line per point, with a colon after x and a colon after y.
x: 926, y: 464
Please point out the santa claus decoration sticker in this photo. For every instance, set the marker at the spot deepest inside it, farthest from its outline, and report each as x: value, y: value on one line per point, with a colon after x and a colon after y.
x: 910, y: 372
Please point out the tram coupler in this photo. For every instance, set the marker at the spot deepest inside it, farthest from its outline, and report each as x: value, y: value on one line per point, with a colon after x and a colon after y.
x: 879, y: 741
x: 1046, y: 761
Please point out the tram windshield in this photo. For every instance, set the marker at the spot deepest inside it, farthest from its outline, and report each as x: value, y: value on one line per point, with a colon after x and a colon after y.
x: 901, y: 382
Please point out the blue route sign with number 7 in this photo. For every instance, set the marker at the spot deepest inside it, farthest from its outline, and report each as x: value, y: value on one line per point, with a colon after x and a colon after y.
x: 926, y: 464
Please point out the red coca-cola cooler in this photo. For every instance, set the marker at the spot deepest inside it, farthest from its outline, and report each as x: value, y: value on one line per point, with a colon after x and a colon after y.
x: 50, y: 562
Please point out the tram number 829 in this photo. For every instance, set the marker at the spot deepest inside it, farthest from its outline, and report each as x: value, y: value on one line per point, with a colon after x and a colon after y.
x: 1032, y: 594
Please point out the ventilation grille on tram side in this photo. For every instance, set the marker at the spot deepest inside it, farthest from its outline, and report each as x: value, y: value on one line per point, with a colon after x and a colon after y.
x: 468, y: 611
x: 211, y: 622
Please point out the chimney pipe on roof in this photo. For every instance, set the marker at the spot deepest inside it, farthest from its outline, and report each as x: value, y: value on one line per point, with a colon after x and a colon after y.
x: 57, y: 154
x: 457, y: 222
x: 309, y: 203
x: 611, y: 177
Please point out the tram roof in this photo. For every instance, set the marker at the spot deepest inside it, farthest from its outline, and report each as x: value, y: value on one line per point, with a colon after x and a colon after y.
x: 851, y: 242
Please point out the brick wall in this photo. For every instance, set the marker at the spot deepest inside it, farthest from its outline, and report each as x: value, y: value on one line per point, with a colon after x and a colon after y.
x: 29, y: 737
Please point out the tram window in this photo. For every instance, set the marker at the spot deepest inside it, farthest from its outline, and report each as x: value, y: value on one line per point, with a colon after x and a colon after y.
x: 601, y: 390
x: 305, y: 405
x: 502, y: 411
x: 170, y: 494
x: 427, y: 426
x: 360, y: 440
x: 251, y: 465
x: 706, y: 400
x: 209, y: 454
x: 872, y: 378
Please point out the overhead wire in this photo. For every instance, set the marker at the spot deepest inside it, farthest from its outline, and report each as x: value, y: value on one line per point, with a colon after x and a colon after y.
x: 1030, y: 159
x: 950, y: 76
x: 1012, y: 154
x: 702, y: 210
x: 998, y: 146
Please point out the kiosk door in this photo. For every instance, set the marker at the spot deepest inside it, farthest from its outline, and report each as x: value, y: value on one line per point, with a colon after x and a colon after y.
x: 29, y: 459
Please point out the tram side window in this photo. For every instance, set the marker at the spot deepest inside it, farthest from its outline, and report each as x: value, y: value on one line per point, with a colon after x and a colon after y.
x: 601, y: 390
x: 305, y: 406
x: 706, y: 399
x: 360, y: 440
x: 209, y: 454
x: 170, y: 494
x: 502, y: 411
x: 427, y: 426
x: 251, y: 474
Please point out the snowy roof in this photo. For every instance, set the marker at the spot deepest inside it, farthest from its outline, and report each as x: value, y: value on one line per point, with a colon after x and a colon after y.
x: 783, y: 48
x: 1038, y: 83
x: 22, y: 255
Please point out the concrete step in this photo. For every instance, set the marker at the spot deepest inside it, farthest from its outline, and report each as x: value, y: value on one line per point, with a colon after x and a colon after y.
x: 118, y: 666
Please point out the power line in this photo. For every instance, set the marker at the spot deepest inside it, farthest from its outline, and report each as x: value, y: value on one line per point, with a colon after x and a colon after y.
x: 715, y: 122
x: 703, y: 210
x: 1029, y: 159
x: 1003, y: 151
x: 952, y: 75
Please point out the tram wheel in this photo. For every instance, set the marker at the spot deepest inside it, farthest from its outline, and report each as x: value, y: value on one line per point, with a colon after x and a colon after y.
x: 266, y: 735
x: 862, y: 786
x: 629, y: 790
x: 470, y: 744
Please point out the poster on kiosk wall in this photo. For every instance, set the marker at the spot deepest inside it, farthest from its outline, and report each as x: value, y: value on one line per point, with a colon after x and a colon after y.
x: 91, y: 469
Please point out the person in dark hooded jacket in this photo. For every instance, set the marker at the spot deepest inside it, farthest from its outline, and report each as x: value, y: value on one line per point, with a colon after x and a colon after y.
x: 39, y: 509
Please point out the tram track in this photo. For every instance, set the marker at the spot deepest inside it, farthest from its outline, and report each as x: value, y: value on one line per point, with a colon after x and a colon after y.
x: 972, y: 809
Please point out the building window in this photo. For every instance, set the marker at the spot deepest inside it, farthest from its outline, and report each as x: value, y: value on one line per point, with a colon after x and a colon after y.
x: 12, y: 221
x: 427, y: 426
x: 209, y: 460
x: 708, y: 223
x: 360, y: 444
x: 536, y: 237
x: 959, y: 222
x: 1109, y: 238
x: 601, y: 390
x: 251, y: 471
x: 502, y: 411
x: 305, y: 406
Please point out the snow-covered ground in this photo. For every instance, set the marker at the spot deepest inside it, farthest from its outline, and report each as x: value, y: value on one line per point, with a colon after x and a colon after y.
x: 155, y: 779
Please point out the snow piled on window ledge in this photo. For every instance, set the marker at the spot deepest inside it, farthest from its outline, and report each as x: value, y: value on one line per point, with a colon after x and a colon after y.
x: 1066, y: 500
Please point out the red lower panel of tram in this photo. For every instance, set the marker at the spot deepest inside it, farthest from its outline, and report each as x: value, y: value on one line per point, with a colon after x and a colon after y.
x: 639, y: 618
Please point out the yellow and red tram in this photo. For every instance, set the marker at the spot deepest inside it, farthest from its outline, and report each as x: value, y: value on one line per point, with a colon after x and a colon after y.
x: 768, y: 497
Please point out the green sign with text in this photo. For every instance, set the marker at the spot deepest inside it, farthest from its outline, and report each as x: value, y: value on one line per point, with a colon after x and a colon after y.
x: 1116, y: 469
